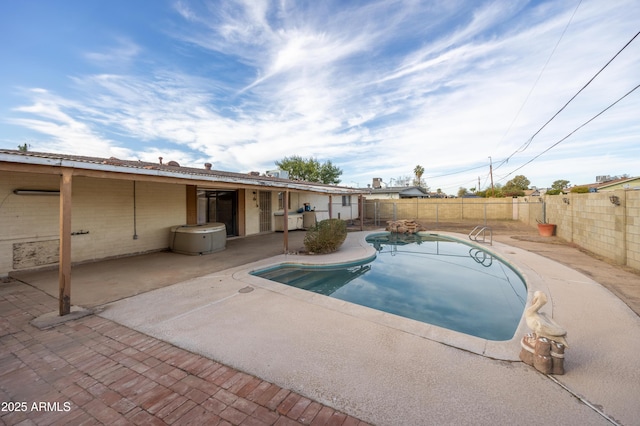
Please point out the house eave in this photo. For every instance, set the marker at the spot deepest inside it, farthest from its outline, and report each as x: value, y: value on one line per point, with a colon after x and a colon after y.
x: 107, y: 166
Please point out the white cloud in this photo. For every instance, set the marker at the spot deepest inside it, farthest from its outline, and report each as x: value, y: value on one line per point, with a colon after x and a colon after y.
x: 66, y: 133
x: 375, y: 88
x: 123, y: 52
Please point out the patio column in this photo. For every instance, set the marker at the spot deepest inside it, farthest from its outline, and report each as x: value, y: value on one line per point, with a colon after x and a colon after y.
x: 361, y: 211
x: 192, y: 204
x: 330, y: 206
x: 64, y: 274
x: 286, y: 221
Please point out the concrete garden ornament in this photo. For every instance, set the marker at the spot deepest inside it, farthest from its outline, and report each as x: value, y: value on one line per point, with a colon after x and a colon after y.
x: 544, y: 348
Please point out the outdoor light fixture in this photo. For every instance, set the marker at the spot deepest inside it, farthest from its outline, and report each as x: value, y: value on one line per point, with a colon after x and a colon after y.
x: 35, y: 192
x: 615, y: 200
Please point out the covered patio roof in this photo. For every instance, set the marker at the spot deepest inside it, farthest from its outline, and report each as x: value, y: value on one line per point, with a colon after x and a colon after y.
x: 115, y: 168
x: 69, y: 166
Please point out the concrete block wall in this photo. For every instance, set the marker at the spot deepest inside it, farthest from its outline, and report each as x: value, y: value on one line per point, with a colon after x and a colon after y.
x: 113, y: 215
x: 28, y: 221
x: 559, y: 210
x: 593, y: 222
x: 632, y: 203
x: 102, y: 221
x: 529, y: 210
x: 439, y: 209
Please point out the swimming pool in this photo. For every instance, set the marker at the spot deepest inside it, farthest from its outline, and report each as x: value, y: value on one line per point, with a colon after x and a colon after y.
x: 429, y: 278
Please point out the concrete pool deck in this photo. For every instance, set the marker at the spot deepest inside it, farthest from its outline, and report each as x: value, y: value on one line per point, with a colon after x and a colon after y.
x: 389, y: 370
x: 351, y: 358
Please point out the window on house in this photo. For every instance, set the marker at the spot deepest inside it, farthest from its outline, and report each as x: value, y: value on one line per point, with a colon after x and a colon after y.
x: 346, y: 200
x: 281, y: 201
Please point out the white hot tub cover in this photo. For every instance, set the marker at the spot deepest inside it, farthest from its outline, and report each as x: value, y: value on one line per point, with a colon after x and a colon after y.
x: 199, y: 229
x: 198, y: 239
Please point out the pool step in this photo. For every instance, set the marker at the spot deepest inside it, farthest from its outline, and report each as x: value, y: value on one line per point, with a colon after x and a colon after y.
x: 322, y: 281
x: 303, y: 279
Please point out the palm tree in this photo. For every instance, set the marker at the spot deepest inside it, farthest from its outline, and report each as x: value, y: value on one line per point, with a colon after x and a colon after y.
x: 418, y: 171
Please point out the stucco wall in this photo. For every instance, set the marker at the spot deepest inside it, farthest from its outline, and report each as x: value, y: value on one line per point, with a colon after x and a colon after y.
x: 102, y: 219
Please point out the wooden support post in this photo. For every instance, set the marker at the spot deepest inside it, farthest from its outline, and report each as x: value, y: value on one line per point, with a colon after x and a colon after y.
x: 361, y: 211
x: 64, y: 275
x: 330, y: 206
x: 192, y: 204
x: 286, y: 221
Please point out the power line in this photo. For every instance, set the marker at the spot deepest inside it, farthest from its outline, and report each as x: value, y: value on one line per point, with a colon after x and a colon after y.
x: 455, y: 173
x: 570, y: 100
x: 535, y: 83
x: 574, y: 131
x: 524, y: 146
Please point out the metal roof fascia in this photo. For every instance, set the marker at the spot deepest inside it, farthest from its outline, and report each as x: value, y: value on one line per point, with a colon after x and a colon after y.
x: 27, y: 159
x: 38, y: 160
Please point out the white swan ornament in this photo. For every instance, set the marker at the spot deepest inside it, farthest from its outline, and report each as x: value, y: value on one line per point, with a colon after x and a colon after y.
x: 540, y: 323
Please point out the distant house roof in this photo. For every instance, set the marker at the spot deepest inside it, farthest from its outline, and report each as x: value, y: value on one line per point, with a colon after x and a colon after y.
x: 168, y: 170
x: 611, y: 184
x: 402, y: 191
x: 622, y: 183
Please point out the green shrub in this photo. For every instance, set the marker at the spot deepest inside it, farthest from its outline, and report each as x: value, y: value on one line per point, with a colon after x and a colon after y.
x: 326, y: 236
x: 580, y: 189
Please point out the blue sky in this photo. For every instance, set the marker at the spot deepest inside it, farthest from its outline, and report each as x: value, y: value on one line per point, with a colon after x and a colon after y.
x: 376, y: 87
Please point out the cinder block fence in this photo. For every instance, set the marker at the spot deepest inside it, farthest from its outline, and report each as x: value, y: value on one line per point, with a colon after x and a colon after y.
x: 605, y: 223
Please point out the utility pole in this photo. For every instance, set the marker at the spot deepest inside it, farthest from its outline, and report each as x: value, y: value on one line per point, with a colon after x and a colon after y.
x: 477, y: 190
x: 491, y: 174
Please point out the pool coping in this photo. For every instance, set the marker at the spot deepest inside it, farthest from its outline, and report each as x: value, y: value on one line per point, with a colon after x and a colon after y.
x: 358, y: 249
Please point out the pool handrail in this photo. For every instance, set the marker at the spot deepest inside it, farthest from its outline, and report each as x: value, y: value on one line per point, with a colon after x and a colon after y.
x: 474, y: 235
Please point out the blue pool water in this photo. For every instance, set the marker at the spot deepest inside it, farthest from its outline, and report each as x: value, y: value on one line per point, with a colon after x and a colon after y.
x: 428, y: 278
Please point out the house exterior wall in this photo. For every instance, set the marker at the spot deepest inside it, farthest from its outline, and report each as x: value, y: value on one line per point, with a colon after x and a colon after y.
x: 102, y: 219
x: 383, y: 196
x: 105, y: 220
x: 628, y: 184
x: 346, y: 210
x: 106, y: 208
x: 252, y: 212
x: 29, y: 224
x: 320, y: 204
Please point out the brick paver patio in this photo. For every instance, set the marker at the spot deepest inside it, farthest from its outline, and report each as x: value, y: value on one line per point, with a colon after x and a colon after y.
x: 94, y: 371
